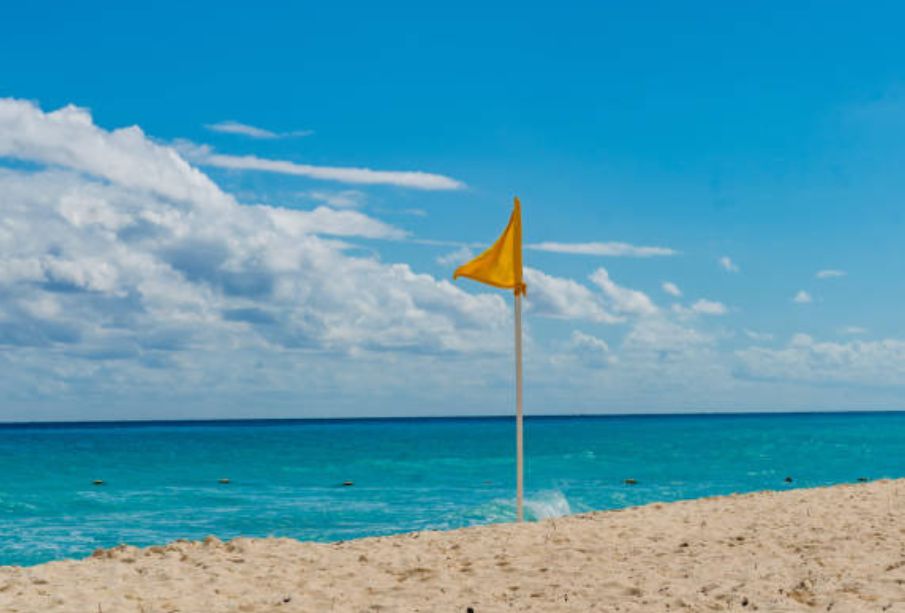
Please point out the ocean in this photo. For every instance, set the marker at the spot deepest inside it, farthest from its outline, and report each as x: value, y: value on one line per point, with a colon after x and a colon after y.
x: 161, y: 480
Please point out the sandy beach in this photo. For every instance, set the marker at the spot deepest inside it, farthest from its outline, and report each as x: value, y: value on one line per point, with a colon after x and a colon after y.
x: 840, y: 548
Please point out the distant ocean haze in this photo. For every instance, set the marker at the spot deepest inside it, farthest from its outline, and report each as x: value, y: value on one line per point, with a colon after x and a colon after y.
x: 331, y: 480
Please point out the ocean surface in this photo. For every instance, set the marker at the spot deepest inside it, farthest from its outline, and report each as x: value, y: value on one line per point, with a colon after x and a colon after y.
x: 161, y: 480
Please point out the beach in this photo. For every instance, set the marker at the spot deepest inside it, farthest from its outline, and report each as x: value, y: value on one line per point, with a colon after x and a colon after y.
x: 839, y: 548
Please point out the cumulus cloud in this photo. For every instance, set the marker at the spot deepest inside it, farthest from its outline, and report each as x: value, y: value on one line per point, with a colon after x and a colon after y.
x: 853, y: 330
x: 243, y: 129
x: 261, y: 268
x: 806, y: 359
x: 709, y: 307
x: 622, y: 299
x: 802, y: 297
x: 204, y: 155
x: 116, y: 249
x: 727, y: 264
x: 560, y: 298
x: 603, y: 249
x: 324, y: 220
x: 701, y: 307
x: 672, y: 289
x: 830, y: 274
x: 665, y: 338
x: 68, y: 138
x: 590, y: 350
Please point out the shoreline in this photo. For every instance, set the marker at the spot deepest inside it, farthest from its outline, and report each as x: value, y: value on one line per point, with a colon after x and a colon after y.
x: 841, y: 546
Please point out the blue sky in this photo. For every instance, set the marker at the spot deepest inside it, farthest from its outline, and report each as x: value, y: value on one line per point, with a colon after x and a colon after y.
x: 191, y: 269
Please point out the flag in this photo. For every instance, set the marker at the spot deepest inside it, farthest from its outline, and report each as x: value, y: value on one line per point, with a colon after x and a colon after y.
x: 501, y: 265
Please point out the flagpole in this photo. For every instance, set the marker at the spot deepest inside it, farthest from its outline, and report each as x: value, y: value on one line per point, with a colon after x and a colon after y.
x: 519, y: 464
x: 501, y: 266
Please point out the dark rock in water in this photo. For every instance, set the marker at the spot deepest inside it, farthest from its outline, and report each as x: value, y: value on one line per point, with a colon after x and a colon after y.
x: 862, y: 479
x: 98, y: 482
x: 788, y: 479
x: 348, y: 484
x: 223, y: 481
x: 631, y: 482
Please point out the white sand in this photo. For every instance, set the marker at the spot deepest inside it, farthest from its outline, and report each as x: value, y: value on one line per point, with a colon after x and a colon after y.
x: 840, y: 548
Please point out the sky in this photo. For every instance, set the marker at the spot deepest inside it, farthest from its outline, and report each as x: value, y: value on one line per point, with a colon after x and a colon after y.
x: 212, y: 210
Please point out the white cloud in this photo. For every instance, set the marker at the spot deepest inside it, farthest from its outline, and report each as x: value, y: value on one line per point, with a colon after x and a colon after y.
x: 206, y: 156
x: 802, y: 297
x: 559, y: 298
x: 672, y: 289
x: 590, y: 350
x: 623, y: 299
x: 128, y: 258
x: 324, y: 220
x: 727, y: 264
x: 262, y: 269
x: 853, y: 330
x: 603, y: 249
x: 805, y: 359
x: 709, y: 307
x: 700, y: 307
x: 830, y: 274
x: 659, y: 335
x: 68, y: 138
x: 456, y: 258
x: 341, y: 199
x: 243, y: 129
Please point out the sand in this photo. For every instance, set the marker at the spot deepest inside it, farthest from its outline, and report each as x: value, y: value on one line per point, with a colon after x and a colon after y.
x: 840, y: 548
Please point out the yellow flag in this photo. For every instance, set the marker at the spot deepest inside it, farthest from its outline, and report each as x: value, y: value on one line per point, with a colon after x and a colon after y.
x: 501, y: 265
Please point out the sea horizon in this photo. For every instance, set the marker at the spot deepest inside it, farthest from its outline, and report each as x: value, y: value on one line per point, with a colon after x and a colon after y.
x: 489, y: 417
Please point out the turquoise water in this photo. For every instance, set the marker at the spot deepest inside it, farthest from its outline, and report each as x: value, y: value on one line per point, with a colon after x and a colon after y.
x: 161, y: 479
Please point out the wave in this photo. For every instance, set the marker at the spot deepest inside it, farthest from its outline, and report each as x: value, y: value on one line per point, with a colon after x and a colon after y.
x: 547, y: 504
x: 539, y: 505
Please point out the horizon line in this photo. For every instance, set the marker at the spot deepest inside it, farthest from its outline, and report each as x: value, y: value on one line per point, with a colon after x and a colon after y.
x: 498, y: 417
